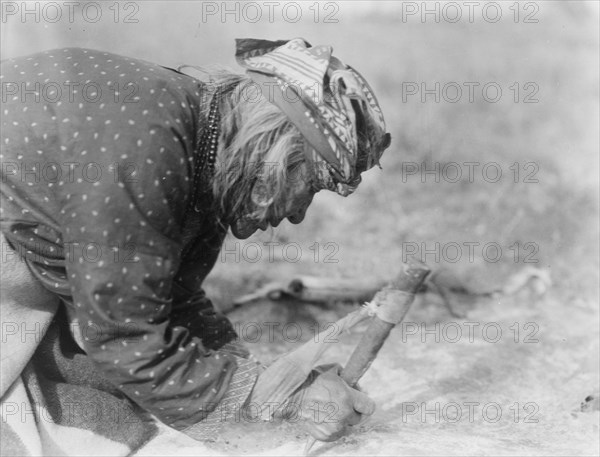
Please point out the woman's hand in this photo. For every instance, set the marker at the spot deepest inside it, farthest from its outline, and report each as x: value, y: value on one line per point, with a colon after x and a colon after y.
x: 325, y: 404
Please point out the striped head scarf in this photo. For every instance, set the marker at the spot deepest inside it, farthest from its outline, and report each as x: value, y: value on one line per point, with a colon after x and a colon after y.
x: 329, y: 102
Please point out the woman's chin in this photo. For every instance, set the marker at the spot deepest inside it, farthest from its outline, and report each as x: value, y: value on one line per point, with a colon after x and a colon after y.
x: 243, y: 229
x: 242, y: 232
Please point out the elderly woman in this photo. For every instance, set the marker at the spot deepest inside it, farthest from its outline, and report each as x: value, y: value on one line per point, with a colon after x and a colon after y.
x: 120, y: 179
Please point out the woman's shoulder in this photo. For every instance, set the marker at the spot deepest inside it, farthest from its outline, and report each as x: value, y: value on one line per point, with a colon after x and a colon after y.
x: 92, y: 96
x: 83, y: 73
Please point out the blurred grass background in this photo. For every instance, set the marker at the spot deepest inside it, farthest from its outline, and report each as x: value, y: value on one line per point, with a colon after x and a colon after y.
x: 559, y: 53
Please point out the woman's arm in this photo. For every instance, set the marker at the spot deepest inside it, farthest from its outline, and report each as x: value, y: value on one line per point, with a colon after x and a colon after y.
x: 124, y: 302
x: 124, y: 250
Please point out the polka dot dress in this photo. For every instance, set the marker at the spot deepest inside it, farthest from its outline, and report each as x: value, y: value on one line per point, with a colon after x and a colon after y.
x: 97, y: 155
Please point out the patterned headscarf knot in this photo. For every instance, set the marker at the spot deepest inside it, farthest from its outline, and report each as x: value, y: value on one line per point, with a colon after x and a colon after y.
x: 329, y: 102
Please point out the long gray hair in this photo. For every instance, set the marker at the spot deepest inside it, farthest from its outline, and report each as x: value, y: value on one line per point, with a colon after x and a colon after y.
x: 258, y: 146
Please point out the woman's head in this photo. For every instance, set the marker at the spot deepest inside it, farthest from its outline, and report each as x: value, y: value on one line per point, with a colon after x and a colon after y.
x: 276, y: 152
x: 261, y: 173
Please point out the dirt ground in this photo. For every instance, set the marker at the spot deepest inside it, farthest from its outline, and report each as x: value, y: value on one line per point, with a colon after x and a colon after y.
x: 492, y: 397
x: 517, y: 392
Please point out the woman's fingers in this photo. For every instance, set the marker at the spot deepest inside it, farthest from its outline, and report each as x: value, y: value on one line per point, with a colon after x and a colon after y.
x: 362, y: 403
x: 354, y: 418
x: 329, y: 404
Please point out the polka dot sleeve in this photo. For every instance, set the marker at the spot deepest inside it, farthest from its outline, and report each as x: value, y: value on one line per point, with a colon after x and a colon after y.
x: 121, y: 263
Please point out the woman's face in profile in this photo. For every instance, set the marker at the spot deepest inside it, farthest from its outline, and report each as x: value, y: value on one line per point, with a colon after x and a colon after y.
x: 291, y: 204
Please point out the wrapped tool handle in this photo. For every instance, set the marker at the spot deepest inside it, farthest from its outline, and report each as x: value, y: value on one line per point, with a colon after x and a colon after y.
x: 397, y: 297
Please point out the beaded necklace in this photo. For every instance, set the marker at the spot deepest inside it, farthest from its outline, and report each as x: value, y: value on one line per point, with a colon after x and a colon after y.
x: 198, y: 209
x: 206, y: 154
